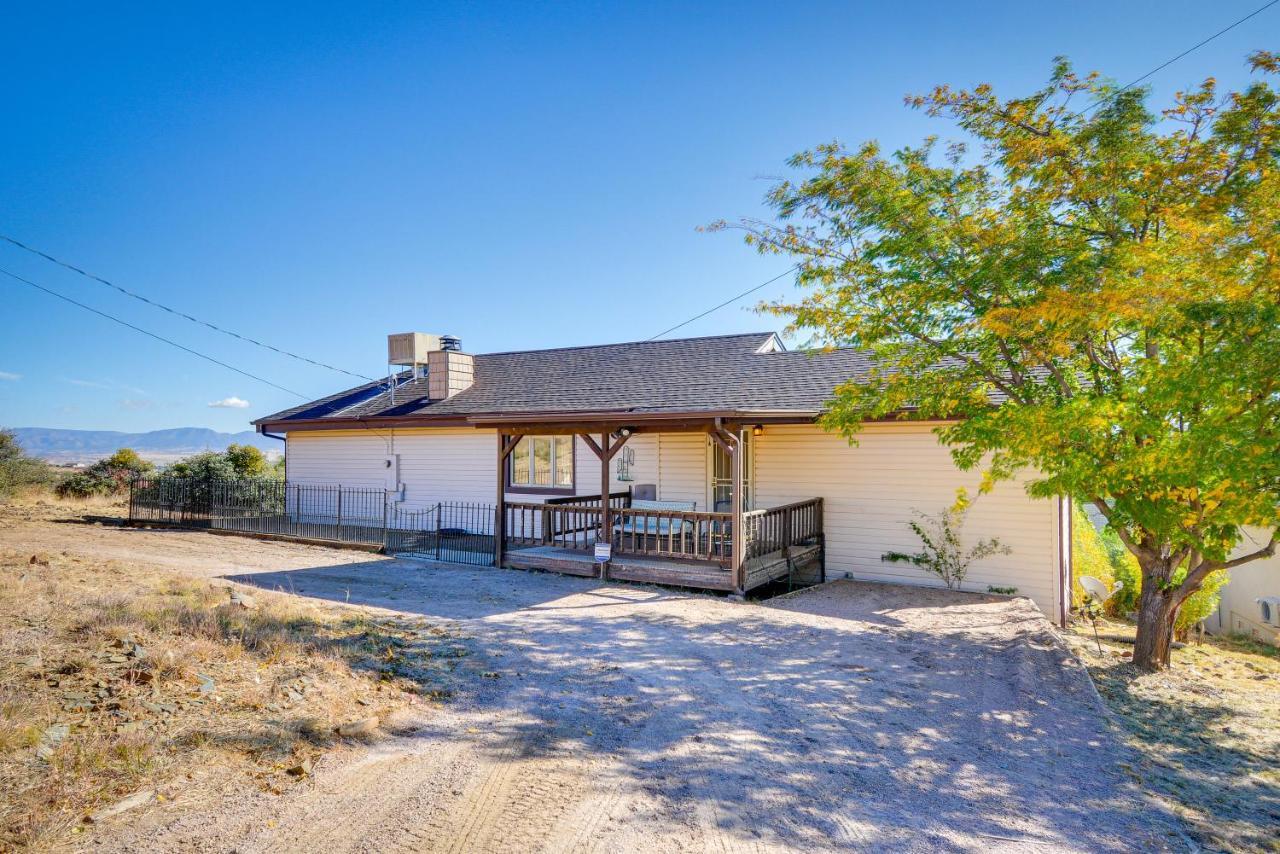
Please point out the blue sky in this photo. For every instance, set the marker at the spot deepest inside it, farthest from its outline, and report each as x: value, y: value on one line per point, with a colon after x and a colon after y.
x: 522, y: 176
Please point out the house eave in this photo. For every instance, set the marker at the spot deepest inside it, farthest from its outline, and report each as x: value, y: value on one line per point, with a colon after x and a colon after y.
x: 563, y: 420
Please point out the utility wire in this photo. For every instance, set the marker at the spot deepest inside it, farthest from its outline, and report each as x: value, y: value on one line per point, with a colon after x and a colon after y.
x: 732, y: 300
x: 175, y: 311
x: 151, y: 334
x: 1189, y: 50
x: 1086, y: 111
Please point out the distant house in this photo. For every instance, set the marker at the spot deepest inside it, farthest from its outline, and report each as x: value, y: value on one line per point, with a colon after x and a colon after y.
x: 718, y: 475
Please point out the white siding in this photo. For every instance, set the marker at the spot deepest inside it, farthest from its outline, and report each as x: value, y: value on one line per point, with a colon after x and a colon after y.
x: 1238, y: 608
x: 682, y: 468
x: 449, y: 464
x: 871, y: 489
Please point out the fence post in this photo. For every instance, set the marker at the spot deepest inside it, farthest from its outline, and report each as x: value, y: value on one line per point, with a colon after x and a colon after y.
x: 385, y: 509
x: 439, y: 506
x: 337, y: 528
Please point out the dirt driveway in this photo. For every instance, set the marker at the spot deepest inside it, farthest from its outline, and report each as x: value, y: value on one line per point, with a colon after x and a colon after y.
x: 620, y: 718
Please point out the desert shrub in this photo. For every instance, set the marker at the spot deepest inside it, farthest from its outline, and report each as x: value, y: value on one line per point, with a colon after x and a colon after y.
x: 1088, y: 556
x: 209, y: 465
x: 108, y: 476
x: 942, y: 547
x: 17, y: 468
x: 83, y: 485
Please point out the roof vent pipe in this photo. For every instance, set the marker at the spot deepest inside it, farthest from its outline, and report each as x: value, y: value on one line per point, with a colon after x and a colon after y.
x: 451, y: 343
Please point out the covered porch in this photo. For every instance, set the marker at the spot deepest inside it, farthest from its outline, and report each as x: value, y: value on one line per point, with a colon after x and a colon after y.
x: 629, y: 535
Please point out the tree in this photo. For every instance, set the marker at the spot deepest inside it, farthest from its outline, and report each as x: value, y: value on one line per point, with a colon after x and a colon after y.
x: 17, y: 468
x: 207, y: 466
x: 247, y: 461
x: 1091, y: 293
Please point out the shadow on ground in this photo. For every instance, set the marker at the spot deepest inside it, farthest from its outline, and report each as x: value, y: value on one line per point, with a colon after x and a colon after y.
x: 961, y: 724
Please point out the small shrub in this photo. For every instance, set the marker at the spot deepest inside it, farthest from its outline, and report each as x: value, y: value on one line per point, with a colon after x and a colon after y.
x: 1003, y: 591
x: 1124, y: 568
x: 108, y: 476
x: 1199, y: 605
x: 82, y: 485
x: 943, y: 552
x: 18, y: 469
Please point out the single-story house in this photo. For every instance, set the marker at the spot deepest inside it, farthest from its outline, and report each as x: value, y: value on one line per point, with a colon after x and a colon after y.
x: 717, y: 474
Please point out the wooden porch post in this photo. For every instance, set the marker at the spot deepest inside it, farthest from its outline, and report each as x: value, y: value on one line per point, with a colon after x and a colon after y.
x: 606, y: 524
x: 506, y: 444
x: 739, y: 535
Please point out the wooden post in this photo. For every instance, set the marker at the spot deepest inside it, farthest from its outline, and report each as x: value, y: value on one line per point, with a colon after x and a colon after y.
x: 606, y: 524
x: 506, y: 444
x: 735, y: 503
x: 500, y: 507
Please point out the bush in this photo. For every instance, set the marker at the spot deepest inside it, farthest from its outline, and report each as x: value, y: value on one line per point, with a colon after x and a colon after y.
x: 943, y: 552
x: 18, y: 469
x: 248, y: 461
x: 209, y: 465
x: 1199, y: 605
x: 1088, y: 556
x: 83, y: 485
x: 109, y: 476
x: 1125, y: 569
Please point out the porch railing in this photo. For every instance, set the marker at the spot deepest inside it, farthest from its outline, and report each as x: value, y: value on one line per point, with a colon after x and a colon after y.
x: 778, y: 529
x: 674, y: 533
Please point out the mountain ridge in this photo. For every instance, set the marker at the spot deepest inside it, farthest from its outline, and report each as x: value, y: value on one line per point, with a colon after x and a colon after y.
x: 58, y: 444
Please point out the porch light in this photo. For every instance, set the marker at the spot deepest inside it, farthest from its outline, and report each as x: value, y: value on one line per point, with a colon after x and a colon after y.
x: 757, y: 430
x: 622, y: 433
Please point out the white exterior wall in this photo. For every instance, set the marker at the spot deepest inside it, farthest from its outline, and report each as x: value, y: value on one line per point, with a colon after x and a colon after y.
x: 1238, y: 608
x: 871, y: 489
x: 437, y: 464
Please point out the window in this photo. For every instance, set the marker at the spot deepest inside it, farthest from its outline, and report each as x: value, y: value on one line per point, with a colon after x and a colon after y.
x: 542, y: 464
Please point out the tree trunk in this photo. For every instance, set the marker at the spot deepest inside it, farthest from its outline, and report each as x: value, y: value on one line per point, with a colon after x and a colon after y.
x: 1156, y: 612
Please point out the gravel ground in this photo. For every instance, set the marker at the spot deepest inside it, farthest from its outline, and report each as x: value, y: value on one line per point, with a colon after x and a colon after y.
x: 622, y: 718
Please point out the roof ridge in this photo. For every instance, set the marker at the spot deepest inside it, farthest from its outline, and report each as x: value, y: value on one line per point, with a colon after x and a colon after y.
x: 630, y: 343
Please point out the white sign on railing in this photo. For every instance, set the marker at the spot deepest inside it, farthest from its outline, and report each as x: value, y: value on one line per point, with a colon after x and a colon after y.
x: 604, y: 551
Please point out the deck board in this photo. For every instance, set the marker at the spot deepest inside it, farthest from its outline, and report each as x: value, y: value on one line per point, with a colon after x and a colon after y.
x: 703, y: 575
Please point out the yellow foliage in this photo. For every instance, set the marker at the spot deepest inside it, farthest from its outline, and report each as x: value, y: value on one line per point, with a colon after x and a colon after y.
x: 1088, y: 556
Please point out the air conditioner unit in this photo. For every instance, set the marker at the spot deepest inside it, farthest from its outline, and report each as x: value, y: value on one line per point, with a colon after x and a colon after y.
x: 411, y: 348
x: 1269, y: 610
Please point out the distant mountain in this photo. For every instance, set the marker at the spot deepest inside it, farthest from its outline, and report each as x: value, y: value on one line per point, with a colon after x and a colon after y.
x: 75, y: 446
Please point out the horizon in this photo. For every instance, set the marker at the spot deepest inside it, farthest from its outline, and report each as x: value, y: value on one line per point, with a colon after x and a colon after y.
x: 524, y: 178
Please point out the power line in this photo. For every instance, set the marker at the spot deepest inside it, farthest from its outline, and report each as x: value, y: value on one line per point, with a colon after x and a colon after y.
x: 151, y: 334
x: 731, y: 300
x: 1087, y: 110
x: 174, y: 311
x: 1189, y: 50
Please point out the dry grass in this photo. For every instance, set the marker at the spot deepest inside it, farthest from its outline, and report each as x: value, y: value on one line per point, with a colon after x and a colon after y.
x: 1208, y: 731
x: 163, y: 684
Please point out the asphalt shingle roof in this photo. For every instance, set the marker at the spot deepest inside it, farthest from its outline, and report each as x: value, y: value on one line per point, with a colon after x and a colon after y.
x: 720, y: 373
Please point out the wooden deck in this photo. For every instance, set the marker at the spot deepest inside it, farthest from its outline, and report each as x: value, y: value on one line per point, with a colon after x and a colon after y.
x: 699, y: 574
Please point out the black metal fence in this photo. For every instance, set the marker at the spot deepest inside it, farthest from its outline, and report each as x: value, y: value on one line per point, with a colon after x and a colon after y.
x: 452, y: 531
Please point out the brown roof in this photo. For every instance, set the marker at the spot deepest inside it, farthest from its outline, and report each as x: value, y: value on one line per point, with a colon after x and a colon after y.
x: 690, y: 375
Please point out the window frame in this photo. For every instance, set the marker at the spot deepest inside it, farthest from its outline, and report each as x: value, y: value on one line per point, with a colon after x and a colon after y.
x: 533, y: 489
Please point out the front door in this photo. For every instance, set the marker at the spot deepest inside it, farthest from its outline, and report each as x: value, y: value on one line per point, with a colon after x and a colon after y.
x: 720, y: 481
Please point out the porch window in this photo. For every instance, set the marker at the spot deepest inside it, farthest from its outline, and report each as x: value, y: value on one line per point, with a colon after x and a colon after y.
x: 542, y: 464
